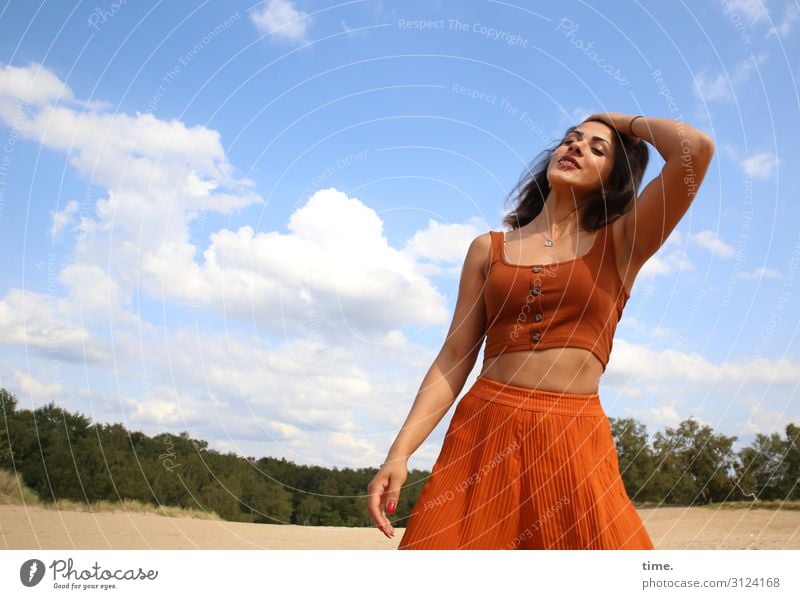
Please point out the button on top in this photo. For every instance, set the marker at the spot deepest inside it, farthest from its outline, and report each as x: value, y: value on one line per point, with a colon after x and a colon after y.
x: 537, y: 269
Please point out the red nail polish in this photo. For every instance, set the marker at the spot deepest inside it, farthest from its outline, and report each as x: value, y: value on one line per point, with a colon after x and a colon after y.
x: 391, y: 506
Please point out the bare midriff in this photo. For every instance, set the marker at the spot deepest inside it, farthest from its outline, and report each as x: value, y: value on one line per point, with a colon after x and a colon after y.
x: 566, y: 369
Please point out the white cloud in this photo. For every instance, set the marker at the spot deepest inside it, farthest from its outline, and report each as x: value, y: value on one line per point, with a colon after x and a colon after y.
x: 790, y: 16
x: 747, y: 67
x: 641, y: 363
x: 729, y: 149
x: 711, y: 88
x: 308, y: 402
x: 710, y: 240
x: 761, y: 272
x: 761, y: 165
x: 37, y: 321
x: 353, y: 32
x: 754, y: 11
x: 662, y: 387
x: 159, y: 176
x: 280, y: 18
x: 120, y: 151
x: 167, y: 407
x: 722, y: 86
x: 60, y: 219
x: 672, y: 257
x: 637, y: 363
x: 335, y: 263
x: 32, y: 84
x: 94, y: 296
x: 444, y: 243
x: 766, y: 421
x: 658, y: 417
x: 34, y: 390
x: 667, y: 260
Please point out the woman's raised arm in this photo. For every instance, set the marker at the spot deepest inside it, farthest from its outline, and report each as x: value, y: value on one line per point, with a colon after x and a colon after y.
x: 663, y: 202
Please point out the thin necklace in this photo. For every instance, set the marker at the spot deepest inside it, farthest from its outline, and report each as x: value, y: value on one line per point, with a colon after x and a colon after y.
x: 548, y: 240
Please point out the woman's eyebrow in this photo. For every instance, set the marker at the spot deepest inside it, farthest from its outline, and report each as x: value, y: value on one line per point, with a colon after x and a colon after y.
x: 581, y: 135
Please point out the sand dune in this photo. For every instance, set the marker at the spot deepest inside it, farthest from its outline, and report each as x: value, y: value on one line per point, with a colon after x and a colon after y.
x: 670, y: 528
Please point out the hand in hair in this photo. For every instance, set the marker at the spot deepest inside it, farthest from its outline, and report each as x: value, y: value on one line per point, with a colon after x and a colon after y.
x: 618, y: 121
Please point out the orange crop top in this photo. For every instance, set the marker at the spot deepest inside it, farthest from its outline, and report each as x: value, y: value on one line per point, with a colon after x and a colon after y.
x: 574, y: 303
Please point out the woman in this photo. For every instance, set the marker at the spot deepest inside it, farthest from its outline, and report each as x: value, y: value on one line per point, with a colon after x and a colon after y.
x: 528, y: 461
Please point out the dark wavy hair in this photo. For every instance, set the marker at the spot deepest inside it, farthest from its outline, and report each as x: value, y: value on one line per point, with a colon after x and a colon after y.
x: 612, y: 200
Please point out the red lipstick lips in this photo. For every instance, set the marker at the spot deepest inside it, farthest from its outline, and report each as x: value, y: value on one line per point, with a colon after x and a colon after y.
x: 570, y: 160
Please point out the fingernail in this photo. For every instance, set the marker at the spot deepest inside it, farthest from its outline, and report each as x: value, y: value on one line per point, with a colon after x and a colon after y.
x: 391, y: 506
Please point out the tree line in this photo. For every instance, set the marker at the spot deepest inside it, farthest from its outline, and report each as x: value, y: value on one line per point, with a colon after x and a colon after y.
x: 62, y: 455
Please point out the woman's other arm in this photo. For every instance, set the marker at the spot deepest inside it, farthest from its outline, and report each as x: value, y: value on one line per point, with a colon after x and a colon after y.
x: 442, y: 383
x: 456, y: 359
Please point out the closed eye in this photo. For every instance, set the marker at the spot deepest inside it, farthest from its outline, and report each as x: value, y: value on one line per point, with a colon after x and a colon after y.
x: 595, y: 150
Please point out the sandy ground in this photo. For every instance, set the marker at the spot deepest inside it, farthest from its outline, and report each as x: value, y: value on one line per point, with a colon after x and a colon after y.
x: 669, y: 527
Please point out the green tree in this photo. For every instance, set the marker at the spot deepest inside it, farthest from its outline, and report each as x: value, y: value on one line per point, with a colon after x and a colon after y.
x: 693, y: 465
x: 8, y: 408
x: 759, y: 468
x: 635, y: 456
x: 790, y: 479
x: 308, y: 511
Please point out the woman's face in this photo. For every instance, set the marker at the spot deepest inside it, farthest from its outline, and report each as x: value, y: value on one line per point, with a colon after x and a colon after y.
x: 591, y: 145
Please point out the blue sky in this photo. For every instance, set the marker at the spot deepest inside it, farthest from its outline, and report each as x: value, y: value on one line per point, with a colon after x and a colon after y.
x: 247, y: 221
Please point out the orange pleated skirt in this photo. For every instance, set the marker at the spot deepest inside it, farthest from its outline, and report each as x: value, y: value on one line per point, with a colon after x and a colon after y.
x: 525, y: 468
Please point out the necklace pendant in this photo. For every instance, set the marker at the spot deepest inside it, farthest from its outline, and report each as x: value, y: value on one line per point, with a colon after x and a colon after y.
x: 548, y: 242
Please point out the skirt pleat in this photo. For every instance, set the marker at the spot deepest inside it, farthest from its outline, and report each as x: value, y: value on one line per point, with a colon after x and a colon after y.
x: 525, y: 468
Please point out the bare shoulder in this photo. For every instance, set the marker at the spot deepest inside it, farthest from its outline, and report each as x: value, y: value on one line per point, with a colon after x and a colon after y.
x: 479, y: 254
x: 469, y: 318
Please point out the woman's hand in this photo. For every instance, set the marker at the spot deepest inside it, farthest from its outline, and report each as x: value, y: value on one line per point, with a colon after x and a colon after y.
x: 616, y: 120
x: 384, y: 493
